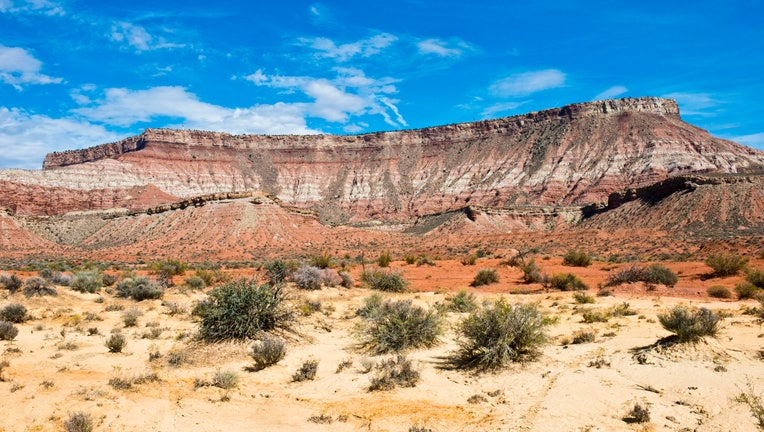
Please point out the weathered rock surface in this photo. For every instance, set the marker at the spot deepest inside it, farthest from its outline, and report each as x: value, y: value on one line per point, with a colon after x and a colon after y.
x: 576, y: 154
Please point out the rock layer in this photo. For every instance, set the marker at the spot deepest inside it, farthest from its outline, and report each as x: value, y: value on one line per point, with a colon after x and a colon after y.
x: 576, y: 154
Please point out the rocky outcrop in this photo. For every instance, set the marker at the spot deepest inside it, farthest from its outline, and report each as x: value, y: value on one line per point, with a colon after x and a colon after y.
x: 572, y: 155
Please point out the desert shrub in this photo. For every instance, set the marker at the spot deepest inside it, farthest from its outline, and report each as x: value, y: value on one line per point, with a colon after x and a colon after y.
x: 576, y: 258
x: 596, y: 315
x: 531, y: 271
x: 653, y: 274
x: 394, y: 372
x: 726, y: 265
x: 195, y: 283
x: 400, y: 325
x: 462, y: 301
x: 384, y: 280
x: 139, y: 288
x: 499, y: 333
x: 638, y: 414
x: 371, y: 306
x: 109, y: 279
x: 718, y: 291
x: 323, y: 260
x: 8, y: 331
x: 755, y: 277
x: 87, y: 281
x: 11, y: 282
x: 278, y: 271
x: 622, y: 309
x: 242, y: 310
x: 582, y: 297
x: 78, y: 422
x: 409, y: 259
x: 755, y: 404
x: 207, y: 276
x: 267, y: 351
x: 306, y: 372
x: 130, y: 317
x: 168, y: 268
x: 659, y: 274
x: 346, y: 280
x: 116, y: 342
x: 384, y: 260
x: 307, y: 277
x: 36, y: 286
x: 485, y: 277
x: 690, y: 325
x: 746, y: 290
x: 14, y: 312
x: 423, y: 259
x: 470, y: 260
x: 567, y: 282
x: 225, y: 379
x: 55, y: 277
x: 584, y: 336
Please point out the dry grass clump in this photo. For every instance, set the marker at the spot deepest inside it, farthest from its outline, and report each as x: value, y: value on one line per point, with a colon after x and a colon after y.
x: 306, y: 372
x: 37, y: 286
x: 583, y: 298
x: 576, y: 258
x: 638, y: 414
x: 394, y: 372
x: 243, y: 310
x: 485, y: 277
x: 755, y: 404
x: 267, y: 351
x: 384, y: 259
x: 116, y: 342
x: 726, y: 265
x: 500, y: 333
x: 690, y: 325
x: 390, y: 281
x: 400, y: 325
x: 78, y: 422
x: 11, y: 282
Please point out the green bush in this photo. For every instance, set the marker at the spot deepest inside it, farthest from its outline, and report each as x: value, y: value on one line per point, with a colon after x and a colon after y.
x: 531, y: 271
x: 195, y: 283
x: 409, y: 259
x: 755, y: 277
x: 140, y: 288
x: 384, y: 260
x: 166, y: 269
x: 278, y: 271
x: 394, y: 372
x: 500, y: 333
x: 371, y: 306
x: 87, y: 281
x: 746, y: 290
x: 718, y: 291
x: 485, y: 277
x: 242, y: 310
x: 400, y: 325
x: 726, y: 265
x: 582, y: 298
x: 14, y: 313
x: 567, y: 282
x: 653, y: 274
x: 462, y: 301
x: 576, y: 258
x: 382, y: 280
x: 322, y: 261
x: 690, y: 325
x: 267, y: 351
x: 8, y: 331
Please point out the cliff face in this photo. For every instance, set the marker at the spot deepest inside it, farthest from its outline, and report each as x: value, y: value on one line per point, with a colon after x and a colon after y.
x: 571, y: 155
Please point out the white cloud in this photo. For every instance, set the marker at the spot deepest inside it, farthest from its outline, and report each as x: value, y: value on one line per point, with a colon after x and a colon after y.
x: 753, y: 140
x: 18, y: 66
x: 138, y: 37
x: 124, y: 107
x: 443, y: 48
x: 611, y: 93
x: 44, y: 7
x: 350, y: 93
x: 363, y: 48
x: 492, y: 110
x: 523, y: 84
x: 26, y: 138
x: 697, y: 104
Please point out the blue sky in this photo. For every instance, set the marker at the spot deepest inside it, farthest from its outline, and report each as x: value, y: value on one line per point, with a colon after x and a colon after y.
x: 77, y: 73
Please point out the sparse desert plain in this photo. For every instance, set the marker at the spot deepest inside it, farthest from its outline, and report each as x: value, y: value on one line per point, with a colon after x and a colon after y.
x: 607, y: 363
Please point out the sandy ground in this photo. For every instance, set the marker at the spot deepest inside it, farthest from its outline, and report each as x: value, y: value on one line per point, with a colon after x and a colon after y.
x: 57, y: 367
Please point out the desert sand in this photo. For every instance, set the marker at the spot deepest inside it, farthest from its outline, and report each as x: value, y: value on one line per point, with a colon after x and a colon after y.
x: 58, y: 364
